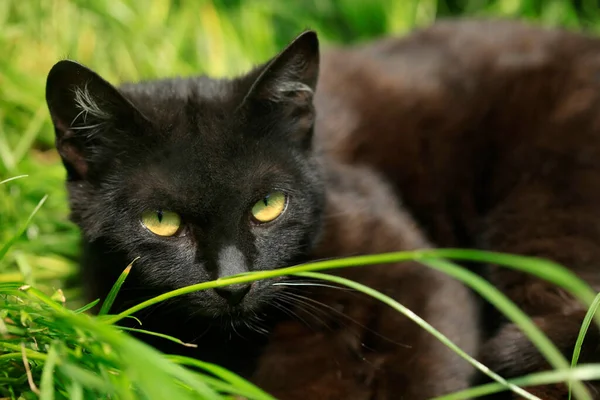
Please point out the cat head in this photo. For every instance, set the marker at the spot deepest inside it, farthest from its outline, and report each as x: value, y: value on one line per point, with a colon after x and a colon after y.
x: 200, y: 178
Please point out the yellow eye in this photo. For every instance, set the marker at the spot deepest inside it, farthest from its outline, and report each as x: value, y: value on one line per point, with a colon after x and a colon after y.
x: 161, y: 223
x: 269, y: 208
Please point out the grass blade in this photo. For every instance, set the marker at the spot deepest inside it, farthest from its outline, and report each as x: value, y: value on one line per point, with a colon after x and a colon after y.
x: 550, y: 271
x: 587, y: 320
x: 75, y: 391
x: 225, y: 375
x: 579, y: 373
x: 4, y: 249
x: 87, y: 307
x: 156, y: 334
x: 12, y: 179
x: 112, y: 295
x: 47, y: 381
x: 86, y: 378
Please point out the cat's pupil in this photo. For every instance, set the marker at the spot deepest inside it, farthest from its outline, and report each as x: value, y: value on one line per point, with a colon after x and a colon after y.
x: 266, y: 200
x: 159, y: 215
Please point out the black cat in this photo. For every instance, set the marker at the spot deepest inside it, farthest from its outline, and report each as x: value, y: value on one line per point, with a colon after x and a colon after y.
x: 487, y: 130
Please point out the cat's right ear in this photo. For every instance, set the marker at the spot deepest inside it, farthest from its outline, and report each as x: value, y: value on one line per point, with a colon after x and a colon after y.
x: 287, y: 84
x: 88, y: 114
x: 292, y: 74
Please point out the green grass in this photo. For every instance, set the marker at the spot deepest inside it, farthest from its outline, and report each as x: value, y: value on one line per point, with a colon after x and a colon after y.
x: 69, y: 354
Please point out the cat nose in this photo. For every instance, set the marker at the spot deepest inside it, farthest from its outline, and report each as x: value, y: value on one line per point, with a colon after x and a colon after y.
x: 234, y: 293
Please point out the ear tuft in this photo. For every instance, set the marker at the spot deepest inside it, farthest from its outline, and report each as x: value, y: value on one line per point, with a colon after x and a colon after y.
x: 89, y: 109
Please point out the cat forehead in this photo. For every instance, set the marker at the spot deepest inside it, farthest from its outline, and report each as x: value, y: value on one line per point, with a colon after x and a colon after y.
x: 199, y: 126
x: 170, y: 99
x: 211, y: 150
x: 189, y: 173
x: 183, y: 154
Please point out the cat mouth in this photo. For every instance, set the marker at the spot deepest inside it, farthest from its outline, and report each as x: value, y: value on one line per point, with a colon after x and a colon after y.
x: 245, y: 319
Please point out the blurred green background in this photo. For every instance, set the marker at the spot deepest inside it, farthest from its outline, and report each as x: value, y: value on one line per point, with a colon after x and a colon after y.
x: 130, y: 40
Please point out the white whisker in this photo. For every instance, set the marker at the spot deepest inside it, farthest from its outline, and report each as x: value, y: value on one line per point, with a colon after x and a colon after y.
x: 312, y: 284
x: 328, y: 307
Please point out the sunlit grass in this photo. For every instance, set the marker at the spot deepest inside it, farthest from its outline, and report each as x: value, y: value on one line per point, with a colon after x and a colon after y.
x: 90, y: 345
x: 72, y: 355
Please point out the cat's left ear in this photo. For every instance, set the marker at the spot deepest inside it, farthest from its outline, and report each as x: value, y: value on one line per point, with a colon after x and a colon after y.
x: 288, y: 81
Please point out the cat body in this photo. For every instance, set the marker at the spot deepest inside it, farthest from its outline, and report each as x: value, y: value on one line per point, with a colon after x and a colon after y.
x: 475, y: 128
x: 490, y: 134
